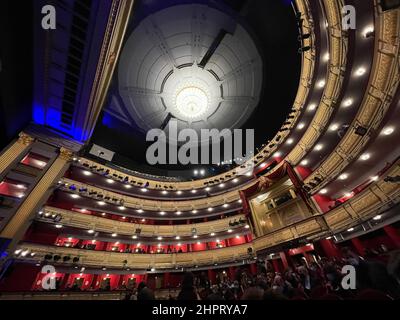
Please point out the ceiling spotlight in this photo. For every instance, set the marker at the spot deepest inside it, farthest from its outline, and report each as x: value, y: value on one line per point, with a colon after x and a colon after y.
x: 334, y: 127
x: 212, y: 234
x: 195, y: 236
x: 164, y: 192
x: 90, y: 231
x: 301, y: 126
x: 360, y: 71
x: 207, y: 189
x: 388, y: 131
x: 101, y: 203
x: 229, y: 230
x: 277, y: 154
x: 249, y: 174
x: 143, y: 190
x: 348, y: 102
x: 139, y: 211
x: 326, y: 56
x: 365, y: 156
x: 304, y: 162
x: 193, y: 191
x: 226, y: 205
x: 350, y: 229
x: 177, y: 237
x: 75, y: 196
x: 378, y: 217
x: 323, y: 191
x: 318, y: 147
x: 221, y: 185
x: 210, y: 209
x: 247, y: 226
x: 321, y: 84
x: 124, y: 218
x: 178, y: 213
x: 289, y: 141
x: 240, y: 200
x: 159, y: 238
x: 179, y: 192
x: 368, y: 31
x: 202, y: 172
x: 348, y: 194
x: 121, y: 208
x: 87, y: 173
x: 195, y: 172
x: 312, y: 107
x: 235, y: 180
x: 134, y: 236
x: 343, y: 176
x: 162, y: 213
x: 374, y: 178
x: 59, y: 226
x: 110, y: 181
x: 113, y: 235
x: 194, y: 211
x: 128, y: 186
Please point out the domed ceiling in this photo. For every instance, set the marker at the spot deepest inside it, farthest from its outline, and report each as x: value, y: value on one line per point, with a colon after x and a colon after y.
x: 194, y: 64
x: 206, y: 64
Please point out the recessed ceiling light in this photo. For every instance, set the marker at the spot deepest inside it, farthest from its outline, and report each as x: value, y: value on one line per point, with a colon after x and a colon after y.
x: 304, y: 162
x: 247, y: 226
x: 178, y: 213
x: 289, y: 141
x: 350, y: 229
x: 87, y: 173
x: 212, y: 234
x: 179, y: 192
x: 207, y: 189
x: 226, y: 205
x: 360, y: 71
x: 75, y: 196
x: 348, y: 102
x: 365, y: 156
x: 110, y: 181
x: 124, y: 218
x: 194, y: 191
x: 59, y: 226
x: 177, y: 237
x: 162, y: 213
x: 324, y: 191
x: 143, y: 190
x: 230, y: 230
x: 101, y: 203
x: 277, y: 154
x: 240, y: 200
x: 159, y: 238
x: 194, y: 211
x: 334, y: 127
x: 195, y: 236
x: 164, y: 192
x: 235, y: 180
x: 378, y: 217
x: 128, y: 186
x: 121, y: 208
x: 326, y: 56
x: 301, y: 126
x: 113, y: 235
x: 368, y: 31
x: 221, y: 185
x: 374, y: 178
x: 388, y: 131
x: 210, y: 209
x: 249, y: 173
x: 343, y: 176
x: 134, y: 236
x: 312, y: 107
x: 139, y: 211
x: 318, y: 147
x: 321, y: 84
x: 90, y: 231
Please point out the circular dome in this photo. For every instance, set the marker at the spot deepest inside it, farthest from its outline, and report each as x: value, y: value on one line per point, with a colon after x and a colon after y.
x: 194, y: 64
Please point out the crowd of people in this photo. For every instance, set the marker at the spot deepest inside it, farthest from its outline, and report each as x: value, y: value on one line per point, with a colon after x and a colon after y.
x: 375, y: 279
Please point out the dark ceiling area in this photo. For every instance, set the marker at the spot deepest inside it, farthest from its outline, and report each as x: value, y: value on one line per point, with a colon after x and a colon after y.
x: 273, y: 28
x: 16, y: 68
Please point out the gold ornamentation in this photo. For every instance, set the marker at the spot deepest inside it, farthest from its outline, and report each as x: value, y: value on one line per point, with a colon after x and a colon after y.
x: 25, y: 139
x: 65, y: 154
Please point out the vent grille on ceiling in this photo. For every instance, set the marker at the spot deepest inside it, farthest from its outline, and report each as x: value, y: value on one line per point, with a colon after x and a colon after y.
x: 78, y: 33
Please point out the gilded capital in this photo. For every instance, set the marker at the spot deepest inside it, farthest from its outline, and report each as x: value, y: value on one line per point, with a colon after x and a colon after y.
x: 25, y: 139
x: 65, y: 154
